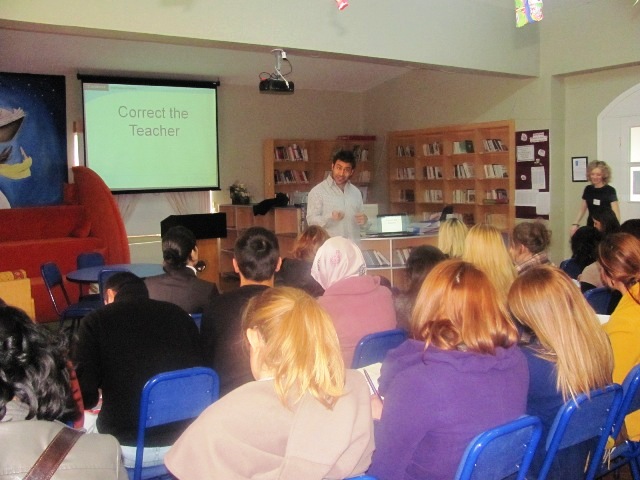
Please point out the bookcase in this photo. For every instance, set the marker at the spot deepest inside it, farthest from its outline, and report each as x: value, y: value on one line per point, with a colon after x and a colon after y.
x: 386, y: 257
x: 284, y: 221
x: 292, y: 165
x: 470, y: 167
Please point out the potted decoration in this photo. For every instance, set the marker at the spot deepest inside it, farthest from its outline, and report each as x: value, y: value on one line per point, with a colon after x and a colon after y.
x: 239, y: 194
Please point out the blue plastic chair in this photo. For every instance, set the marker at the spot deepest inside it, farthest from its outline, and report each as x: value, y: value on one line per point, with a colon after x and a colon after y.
x: 629, y: 451
x: 571, y: 268
x: 599, y: 299
x: 374, y: 347
x: 75, y: 311
x: 171, y: 397
x: 85, y: 260
x: 584, y: 419
x: 501, y: 451
x: 197, y: 319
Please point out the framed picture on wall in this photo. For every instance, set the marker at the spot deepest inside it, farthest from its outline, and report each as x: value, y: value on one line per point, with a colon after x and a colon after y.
x: 579, y: 169
x: 634, y: 190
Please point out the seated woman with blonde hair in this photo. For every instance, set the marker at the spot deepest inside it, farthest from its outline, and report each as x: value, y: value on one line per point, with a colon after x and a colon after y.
x: 460, y: 374
x: 295, y: 271
x: 451, y: 235
x: 568, y: 353
x: 305, y: 416
x: 529, y: 244
x: 484, y: 246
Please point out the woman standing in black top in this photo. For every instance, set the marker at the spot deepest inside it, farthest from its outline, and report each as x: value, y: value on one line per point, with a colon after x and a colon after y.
x: 598, y: 196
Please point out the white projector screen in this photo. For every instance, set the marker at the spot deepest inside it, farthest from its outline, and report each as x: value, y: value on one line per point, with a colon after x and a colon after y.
x: 145, y: 135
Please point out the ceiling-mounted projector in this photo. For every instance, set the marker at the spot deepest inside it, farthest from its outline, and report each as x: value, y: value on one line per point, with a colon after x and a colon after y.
x: 275, y: 85
x: 276, y: 82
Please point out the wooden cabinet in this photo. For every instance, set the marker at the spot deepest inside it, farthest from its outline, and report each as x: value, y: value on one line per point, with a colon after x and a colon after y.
x: 292, y: 166
x: 470, y: 167
x: 284, y: 221
x: 392, y: 253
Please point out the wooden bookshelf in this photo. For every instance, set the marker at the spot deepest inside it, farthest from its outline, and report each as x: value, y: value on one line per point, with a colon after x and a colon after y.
x: 471, y: 167
x: 292, y: 165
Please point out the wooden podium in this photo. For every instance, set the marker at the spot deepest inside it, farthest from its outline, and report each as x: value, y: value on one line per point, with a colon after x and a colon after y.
x: 207, y: 228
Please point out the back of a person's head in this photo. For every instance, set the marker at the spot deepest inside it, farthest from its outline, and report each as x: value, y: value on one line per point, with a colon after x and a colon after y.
x: 337, y: 259
x: 631, y: 226
x: 420, y: 262
x: 451, y: 235
x: 308, y: 242
x: 127, y: 285
x: 257, y: 252
x: 301, y: 346
x: 458, y: 307
x: 484, y: 246
x: 177, y: 244
x: 619, y: 257
x: 545, y: 300
x: 33, y: 367
x: 534, y: 236
x: 608, y: 221
x: 584, y: 245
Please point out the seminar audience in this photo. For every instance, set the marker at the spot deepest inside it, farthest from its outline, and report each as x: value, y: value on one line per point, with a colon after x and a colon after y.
x: 606, y: 222
x: 256, y: 259
x: 120, y: 347
x: 460, y: 374
x: 484, y: 246
x: 568, y: 353
x: 296, y: 270
x: 34, y: 392
x: 529, y: 244
x: 357, y: 303
x: 584, y: 250
x: 451, y: 236
x: 305, y: 416
x: 180, y: 283
x: 619, y: 258
x: 420, y: 262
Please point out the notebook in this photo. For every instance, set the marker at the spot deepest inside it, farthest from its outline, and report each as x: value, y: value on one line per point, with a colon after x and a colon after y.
x: 391, y: 225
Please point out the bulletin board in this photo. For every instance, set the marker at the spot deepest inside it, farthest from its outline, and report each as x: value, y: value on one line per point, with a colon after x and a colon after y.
x: 532, y: 174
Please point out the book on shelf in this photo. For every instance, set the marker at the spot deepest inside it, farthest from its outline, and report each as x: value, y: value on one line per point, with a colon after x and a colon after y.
x: 495, y: 170
x: 432, y: 172
x: 432, y: 196
x: 494, y: 145
x: 463, y: 146
x: 405, y: 151
x: 374, y: 258
x: 405, y: 173
x: 464, y: 170
x: 464, y: 196
x: 291, y: 153
x: 430, y: 149
x: 407, y: 195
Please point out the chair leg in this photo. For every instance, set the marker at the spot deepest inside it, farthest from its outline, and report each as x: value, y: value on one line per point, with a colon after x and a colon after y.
x: 635, y: 471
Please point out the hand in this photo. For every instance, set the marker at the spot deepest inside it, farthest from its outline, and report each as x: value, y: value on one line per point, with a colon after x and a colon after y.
x: 337, y: 216
x: 361, y: 218
x: 376, y: 407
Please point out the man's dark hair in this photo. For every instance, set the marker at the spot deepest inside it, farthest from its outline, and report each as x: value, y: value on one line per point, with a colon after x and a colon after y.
x: 256, y: 251
x: 346, y: 156
x: 177, y: 244
x: 127, y: 284
x: 33, y: 367
x: 631, y: 226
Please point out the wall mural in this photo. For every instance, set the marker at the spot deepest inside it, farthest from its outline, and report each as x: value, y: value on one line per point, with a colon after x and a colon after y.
x: 33, y: 144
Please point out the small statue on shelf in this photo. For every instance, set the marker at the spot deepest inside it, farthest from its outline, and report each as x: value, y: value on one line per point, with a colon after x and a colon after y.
x: 239, y: 194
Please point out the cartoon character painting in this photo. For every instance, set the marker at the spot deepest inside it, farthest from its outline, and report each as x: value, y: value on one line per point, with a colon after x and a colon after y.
x: 32, y: 119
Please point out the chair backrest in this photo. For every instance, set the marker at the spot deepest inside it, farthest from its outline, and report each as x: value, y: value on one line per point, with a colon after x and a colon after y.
x: 571, y: 268
x: 630, y: 400
x: 53, y: 279
x: 197, y: 319
x: 580, y: 420
x: 373, y: 348
x: 599, y: 299
x: 103, y: 276
x: 501, y: 451
x: 89, y: 259
x: 173, y: 396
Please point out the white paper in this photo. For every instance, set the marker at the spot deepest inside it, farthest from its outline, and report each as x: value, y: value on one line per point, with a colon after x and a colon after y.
x: 537, y: 178
x: 525, y: 153
x: 526, y: 198
x: 543, y: 203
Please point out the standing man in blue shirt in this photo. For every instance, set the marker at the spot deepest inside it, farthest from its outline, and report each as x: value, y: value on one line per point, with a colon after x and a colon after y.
x: 335, y: 203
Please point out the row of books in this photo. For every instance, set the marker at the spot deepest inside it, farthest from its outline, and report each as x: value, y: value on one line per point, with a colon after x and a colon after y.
x: 375, y: 258
x: 405, y: 151
x: 495, y: 170
x: 494, y: 145
x: 432, y: 172
x: 463, y: 146
x: 496, y: 195
x: 405, y: 173
x: 432, y: 196
x: 464, y: 196
x: 430, y: 149
x: 361, y: 153
x: 464, y: 170
x: 407, y: 195
x: 401, y: 255
x: 291, y: 153
x: 290, y: 176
